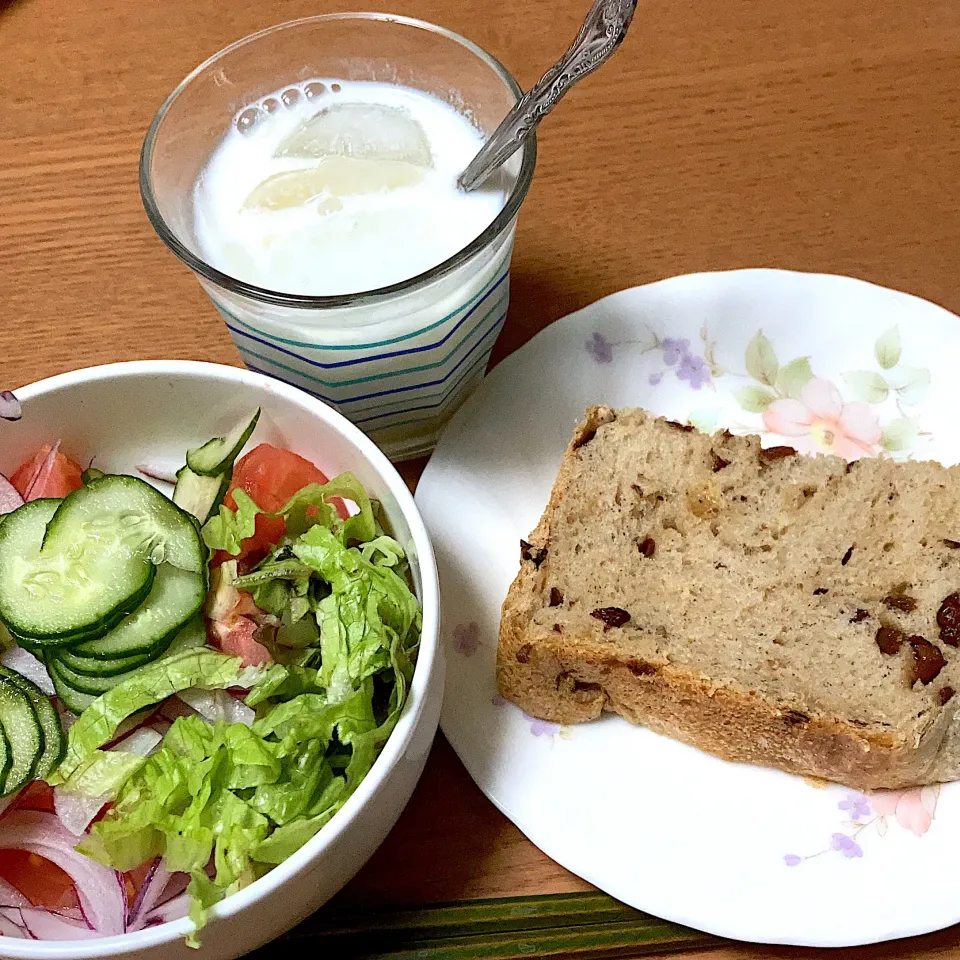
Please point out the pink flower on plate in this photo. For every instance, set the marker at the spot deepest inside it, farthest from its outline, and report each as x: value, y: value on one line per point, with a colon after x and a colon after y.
x: 850, y: 430
x: 914, y: 809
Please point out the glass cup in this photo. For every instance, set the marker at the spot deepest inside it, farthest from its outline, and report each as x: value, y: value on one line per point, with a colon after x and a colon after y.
x: 399, y: 360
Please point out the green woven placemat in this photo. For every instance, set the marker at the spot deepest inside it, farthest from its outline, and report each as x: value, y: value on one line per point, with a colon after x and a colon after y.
x: 587, y: 926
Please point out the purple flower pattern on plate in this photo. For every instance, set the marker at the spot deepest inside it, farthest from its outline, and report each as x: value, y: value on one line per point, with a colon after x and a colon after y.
x: 539, y: 728
x: 912, y: 810
x: 845, y: 845
x: 466, y: 638
x: 600, y: 348
x: 674, y: 350
x: 694, y: 371
x: 690, y: 368
x: 857, y: 805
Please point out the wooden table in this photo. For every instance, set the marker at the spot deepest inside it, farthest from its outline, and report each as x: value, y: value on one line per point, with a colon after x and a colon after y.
x: 818, y: 135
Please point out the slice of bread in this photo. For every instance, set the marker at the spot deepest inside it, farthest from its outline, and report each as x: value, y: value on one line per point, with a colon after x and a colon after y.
x: 791, y: 611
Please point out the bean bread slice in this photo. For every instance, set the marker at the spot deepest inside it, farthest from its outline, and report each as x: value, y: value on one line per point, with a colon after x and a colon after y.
x: 767, y: 607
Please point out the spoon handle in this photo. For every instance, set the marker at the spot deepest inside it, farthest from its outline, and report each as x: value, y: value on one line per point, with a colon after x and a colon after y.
x: 602, y: 32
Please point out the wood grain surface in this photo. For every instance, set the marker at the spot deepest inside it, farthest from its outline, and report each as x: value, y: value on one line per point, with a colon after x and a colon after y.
x: 818, y: 135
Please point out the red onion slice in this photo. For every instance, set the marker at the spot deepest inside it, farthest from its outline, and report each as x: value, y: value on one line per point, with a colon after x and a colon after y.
x: 76, y: 813
x: 149, y: 895
x: 43, y: 924
x: 10, y: 896
x: 9, y: 406
x: 214, y: 705
x: 10, y: 928
x: 27, y: 665
x: 42, y: 474
x: 173, y: 909
x: 175, y: 708
x: 10, y: 499
x: 143, y: 742
x: 159, y: 468
x: 176, y: 886
x: 101, y: 897
x: 133, y: 722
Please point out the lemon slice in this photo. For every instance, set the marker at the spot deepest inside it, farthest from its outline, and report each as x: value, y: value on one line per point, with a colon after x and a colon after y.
x: 364, y: 131
x: 334, y: 178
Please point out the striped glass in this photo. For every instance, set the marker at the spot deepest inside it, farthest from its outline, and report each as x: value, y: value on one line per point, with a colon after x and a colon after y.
x: 399, y: 360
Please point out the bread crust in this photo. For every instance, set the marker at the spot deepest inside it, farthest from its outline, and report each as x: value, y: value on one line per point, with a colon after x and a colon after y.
x: 572, y: 676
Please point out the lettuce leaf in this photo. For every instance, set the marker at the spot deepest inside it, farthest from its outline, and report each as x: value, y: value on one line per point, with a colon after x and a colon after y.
x: 306, y: 509
x: 284, y: 683
x: 186, y: 804
x: 203, y: 668
x: 102, y: 774
x: 281, y: 586
x: 369, y: 612
x: 230, y: 528
x: 226, y: 802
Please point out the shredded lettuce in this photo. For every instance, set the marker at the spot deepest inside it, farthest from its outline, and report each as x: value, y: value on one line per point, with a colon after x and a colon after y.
x: 102, y: 774
x: 225, y: 802
x: 305, y: 510
x: 284, y: 683
x: 203, y: 668
x: 186, y: 804
x: 230, y: 528
x: 280, y: 585
x: 368, y: 613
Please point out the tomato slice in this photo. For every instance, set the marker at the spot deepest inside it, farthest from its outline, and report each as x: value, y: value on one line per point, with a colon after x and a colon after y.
x: 235, y: 636
x: 270, y: 476
x: 38, y: 478
x: 43, y: 883
x: 34, y: 796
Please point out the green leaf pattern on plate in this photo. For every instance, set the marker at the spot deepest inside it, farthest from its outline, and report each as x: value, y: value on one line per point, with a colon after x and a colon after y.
x: 887, y: 349
x: 761, y: 360
x: 863, y: 412
x: 794, y: 402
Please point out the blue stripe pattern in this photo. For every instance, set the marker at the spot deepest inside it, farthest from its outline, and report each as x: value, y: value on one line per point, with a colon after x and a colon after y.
x: 240, y: 329
x: 383, y: 391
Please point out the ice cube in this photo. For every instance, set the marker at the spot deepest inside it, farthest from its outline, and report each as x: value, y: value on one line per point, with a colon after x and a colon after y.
x: 365, y: 131
x: 335, y: 177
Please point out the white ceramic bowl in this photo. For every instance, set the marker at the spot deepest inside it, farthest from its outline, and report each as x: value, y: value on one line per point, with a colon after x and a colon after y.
x: 120, y: 414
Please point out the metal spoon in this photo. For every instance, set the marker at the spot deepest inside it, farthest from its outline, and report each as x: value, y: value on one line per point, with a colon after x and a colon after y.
x: 602, y: 32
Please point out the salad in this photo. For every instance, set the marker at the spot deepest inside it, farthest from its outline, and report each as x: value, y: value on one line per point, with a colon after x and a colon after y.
x: 191, y: 685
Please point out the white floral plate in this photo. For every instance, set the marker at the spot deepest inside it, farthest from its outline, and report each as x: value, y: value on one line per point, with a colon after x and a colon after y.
x: 819, y: 362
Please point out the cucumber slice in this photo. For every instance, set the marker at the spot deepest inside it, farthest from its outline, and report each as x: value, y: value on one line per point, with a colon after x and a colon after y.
x: 72, y: 699
x: 81, y: 683
x: 125, y: 516
x: 78, y: 690
x: 94, y: 667
x: 216, y: 456
x: 54, y: 742
x: 200, y: 496
x: 176, y: 596
x: 65, y: 592
x: 4, y: 758
x: 91, y: 473
x: 193, y: 634
x: 24, y: 734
